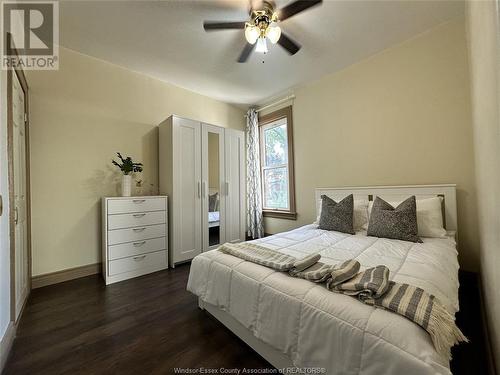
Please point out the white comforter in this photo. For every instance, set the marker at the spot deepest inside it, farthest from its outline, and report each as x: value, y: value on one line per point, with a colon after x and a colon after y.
x: 319, y: 328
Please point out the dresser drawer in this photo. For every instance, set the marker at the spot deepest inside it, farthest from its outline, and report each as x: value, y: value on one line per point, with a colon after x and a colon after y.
x: 136, y: 220
x: 136, y: 234
x: 124, y: 206
x: 136, y: 248
x: 134, y: 263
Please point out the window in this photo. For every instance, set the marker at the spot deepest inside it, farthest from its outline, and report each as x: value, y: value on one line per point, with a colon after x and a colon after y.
x: 276, y: 158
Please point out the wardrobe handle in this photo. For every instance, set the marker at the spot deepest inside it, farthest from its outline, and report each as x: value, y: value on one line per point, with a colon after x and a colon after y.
x: 136, y: 244
x: 139, y: 229
x: 138, y: 200
x: 139, y: 258
x: 199, y: 189
x: 138, y: 215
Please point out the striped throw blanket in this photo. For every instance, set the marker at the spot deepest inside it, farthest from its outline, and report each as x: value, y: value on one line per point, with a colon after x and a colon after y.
x: 307, y: 268
x: 259, y: 255
x: 371, y: 286
x: 374, y: 288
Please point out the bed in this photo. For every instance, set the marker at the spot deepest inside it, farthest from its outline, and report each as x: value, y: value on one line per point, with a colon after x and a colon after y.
x: 295, y: 323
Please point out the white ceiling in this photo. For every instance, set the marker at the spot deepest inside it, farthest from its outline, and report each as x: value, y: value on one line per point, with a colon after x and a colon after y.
x: 165, y: 39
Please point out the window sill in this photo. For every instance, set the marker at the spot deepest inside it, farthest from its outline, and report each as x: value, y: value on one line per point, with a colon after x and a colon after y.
x: 280, y: 214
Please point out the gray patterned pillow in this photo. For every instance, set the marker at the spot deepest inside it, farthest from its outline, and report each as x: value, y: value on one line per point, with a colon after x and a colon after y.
x: 398, y: 223
x: 337, y: 216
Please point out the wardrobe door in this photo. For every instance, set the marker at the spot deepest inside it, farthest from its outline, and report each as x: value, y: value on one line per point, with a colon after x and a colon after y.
x: 234, y: 187
x: 187, y: 240
x: 212, y: 181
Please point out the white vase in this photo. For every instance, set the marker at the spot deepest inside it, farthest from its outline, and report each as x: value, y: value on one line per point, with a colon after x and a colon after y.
x: 126, y: 185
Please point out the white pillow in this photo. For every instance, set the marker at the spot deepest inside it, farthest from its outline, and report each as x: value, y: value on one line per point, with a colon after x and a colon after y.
x: 429, y: 216
x: 360, y: 214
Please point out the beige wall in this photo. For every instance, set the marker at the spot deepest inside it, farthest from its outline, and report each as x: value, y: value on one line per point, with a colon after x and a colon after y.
x: 484, y: 48
x: 399, y: 117
x: 80, y: 116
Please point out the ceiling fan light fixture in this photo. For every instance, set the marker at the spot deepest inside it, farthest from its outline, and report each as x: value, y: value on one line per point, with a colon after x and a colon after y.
x: 252, y: 33
x: 261, y: 45
x: 263, y: 23
x: 274, y: 33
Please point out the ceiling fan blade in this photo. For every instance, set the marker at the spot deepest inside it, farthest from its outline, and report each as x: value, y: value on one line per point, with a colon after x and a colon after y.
x: 289, y: 44
x: 214, y: 25
x: 246, y: 52
x: 296, y: 7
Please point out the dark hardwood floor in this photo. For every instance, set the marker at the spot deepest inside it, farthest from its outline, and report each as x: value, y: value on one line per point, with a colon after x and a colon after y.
x: 150, y: 325
x: 147, y: 325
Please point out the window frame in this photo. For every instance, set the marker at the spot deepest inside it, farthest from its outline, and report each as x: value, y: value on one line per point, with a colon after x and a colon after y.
x: 291, y: 213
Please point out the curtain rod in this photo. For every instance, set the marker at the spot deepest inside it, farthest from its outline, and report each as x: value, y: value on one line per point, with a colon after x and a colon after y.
x: 285, y: 99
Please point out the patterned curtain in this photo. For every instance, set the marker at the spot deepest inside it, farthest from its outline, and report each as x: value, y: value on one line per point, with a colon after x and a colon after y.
x: 255, y: 224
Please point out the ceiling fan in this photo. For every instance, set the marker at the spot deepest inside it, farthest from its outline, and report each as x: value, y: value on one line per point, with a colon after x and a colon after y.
x: 263, y: 24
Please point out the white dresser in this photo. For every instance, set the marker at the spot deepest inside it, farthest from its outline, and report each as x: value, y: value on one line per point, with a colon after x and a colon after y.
x: 134, y: 237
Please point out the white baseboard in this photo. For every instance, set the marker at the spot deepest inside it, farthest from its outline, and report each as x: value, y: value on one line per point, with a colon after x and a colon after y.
x: 6, y: 344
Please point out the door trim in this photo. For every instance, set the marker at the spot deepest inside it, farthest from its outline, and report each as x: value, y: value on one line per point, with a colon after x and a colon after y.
x: 10, y: 159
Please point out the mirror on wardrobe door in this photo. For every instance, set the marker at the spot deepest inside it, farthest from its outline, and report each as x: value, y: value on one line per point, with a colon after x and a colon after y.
x: 214, y: 193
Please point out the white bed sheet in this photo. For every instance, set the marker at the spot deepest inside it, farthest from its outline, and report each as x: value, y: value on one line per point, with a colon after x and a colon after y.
x: 318, y: 328
x: 213, y: 216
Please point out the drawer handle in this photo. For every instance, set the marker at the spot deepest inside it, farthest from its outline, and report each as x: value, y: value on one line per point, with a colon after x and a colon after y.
x: 136, y: 244
x: 139, y: 258
x: 138, y: 215
x: 138, y: 229
x: 138, y: 200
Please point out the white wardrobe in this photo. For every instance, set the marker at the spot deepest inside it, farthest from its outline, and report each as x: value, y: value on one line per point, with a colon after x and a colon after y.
x: 202, y: 170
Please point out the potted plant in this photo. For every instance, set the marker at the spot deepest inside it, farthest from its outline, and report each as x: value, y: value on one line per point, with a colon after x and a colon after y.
x: 127, y: 167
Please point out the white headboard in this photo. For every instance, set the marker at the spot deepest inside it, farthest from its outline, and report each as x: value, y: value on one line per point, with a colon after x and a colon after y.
x: 399, y: 193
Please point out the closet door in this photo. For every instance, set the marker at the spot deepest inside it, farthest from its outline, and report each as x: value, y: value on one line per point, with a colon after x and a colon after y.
x: 235, y: 189
x: 212, y: 182
x: 187, y: 239
x: 21, y: 246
